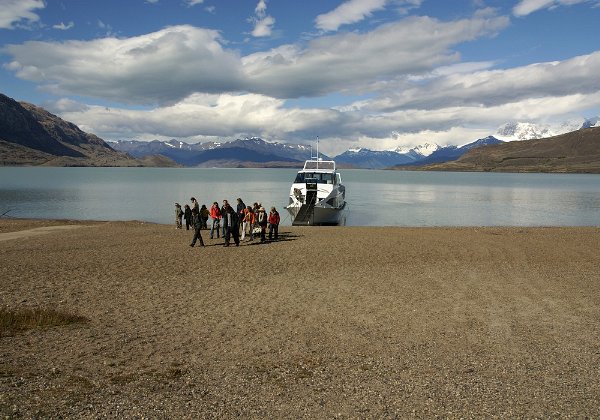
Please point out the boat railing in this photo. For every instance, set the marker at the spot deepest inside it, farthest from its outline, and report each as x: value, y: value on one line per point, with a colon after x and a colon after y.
x: 319, y: 164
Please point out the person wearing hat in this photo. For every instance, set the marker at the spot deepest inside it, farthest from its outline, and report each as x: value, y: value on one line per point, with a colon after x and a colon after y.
x: 262, y: 222
x: 178, y: 215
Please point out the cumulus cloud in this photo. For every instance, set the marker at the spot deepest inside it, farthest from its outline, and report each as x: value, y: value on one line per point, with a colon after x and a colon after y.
x: 14, y: 12
x: 200, y: 115
x: 175, y: 62
x: 263, y: 23
x: 526, y: 7
x: 159, y: 67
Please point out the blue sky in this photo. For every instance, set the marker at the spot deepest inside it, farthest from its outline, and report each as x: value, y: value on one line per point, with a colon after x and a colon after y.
x: 357, y: 73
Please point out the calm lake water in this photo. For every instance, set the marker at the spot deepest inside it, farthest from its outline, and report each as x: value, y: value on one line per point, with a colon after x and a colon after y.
x: 375, y: 198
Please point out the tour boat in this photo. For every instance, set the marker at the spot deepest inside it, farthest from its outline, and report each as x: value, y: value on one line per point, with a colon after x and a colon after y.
x: 317, y: 196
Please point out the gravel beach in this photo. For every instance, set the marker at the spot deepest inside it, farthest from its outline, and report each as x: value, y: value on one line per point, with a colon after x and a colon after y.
x: 327, y: 322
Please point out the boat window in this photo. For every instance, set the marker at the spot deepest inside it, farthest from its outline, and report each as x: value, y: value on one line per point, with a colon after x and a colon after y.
x: 317, y: 177
x: 327, y: 178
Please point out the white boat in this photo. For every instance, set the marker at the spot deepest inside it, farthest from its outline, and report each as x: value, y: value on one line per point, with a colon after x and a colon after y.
x: 317, y: 196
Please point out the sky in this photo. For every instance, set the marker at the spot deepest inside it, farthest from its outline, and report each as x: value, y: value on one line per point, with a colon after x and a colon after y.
x: 381, y: 74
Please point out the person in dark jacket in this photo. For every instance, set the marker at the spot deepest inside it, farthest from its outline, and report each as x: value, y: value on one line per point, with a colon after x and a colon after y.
x: 195, y: 204
x: 187, y: 215
x: 204, y: 216
x: 231, y: 224
x: 240, y: 210
x: 262, y: 222
x: 273, y: 223
x: 223, y: 212
x: 197, y: 225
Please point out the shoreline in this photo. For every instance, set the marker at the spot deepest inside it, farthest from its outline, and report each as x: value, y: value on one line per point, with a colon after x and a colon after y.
x: 328, y: 322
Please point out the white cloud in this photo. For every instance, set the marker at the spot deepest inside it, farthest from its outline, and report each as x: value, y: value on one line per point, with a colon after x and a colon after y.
x: 263, y: 23
x: 13, y: 12
x: 526, y: 7
x: 350, y: 61
x: 491, y: 87
x: 351, y: 11
x: 194, y: 2
x: 175, y: 62
x: 159, y: 67
x: 61, y: 26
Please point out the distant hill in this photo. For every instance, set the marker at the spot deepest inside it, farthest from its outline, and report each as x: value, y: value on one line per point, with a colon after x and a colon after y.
x: 30, y: 135
x: 577, y: 151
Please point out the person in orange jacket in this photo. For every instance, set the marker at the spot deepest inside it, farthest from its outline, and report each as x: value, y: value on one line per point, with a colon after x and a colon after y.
x: 274, y: 223
x: 215, y: 214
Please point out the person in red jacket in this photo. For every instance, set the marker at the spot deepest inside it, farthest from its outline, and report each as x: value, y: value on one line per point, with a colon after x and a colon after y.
x: 215, y: 214
x: 273, y: 223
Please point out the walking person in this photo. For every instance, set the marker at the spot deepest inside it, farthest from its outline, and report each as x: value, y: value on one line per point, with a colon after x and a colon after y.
x: 215, y: 214
x: 187, y: 215
x: 197, y: 226
x: 204, y: 213
x: 178, y: 215
x: 262, y: 222
x: 232, y: 227
x: 274, y: 223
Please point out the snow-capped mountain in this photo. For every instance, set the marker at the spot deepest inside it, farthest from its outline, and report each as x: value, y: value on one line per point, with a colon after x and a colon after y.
x: 420, y: 155
x: 528, y: 131
x: 246, y: 151
x: 419, y: 152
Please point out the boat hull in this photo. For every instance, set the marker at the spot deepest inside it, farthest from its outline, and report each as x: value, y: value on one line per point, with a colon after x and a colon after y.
x: 317, y: 215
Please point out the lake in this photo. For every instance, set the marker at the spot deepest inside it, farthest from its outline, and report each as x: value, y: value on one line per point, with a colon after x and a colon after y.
x: 374, y: 197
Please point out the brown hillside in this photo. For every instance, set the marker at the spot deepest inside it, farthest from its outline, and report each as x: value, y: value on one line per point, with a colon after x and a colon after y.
x: 30, y: 135
x: 578, y: 151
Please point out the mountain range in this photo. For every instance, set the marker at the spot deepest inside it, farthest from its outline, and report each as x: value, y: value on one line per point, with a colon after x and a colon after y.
x: 30, y: 135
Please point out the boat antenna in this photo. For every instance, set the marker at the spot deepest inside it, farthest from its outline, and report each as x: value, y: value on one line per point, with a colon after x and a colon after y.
x: 317, y: 152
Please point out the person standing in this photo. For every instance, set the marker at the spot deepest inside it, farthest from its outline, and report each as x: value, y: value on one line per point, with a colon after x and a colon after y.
x: 262, y: 222
x: 204, y: 216
x: 187, y: 215
x: 223, y: 212
x: 197, y: 226
x: 215, y: 214
x: 178, y: 215
x: 232, y: 227
x: 248, y: 223
x: 195, y: 204
x: 241, y: 207
x: 273, y: 223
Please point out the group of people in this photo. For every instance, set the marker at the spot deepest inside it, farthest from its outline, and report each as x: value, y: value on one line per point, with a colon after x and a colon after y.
x: 227, y: 222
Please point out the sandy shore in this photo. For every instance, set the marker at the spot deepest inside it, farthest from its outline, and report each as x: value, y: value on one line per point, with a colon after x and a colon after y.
x: 325, y: 323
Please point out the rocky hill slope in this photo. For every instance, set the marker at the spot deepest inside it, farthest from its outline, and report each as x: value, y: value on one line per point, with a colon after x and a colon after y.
x: 30, y: 135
